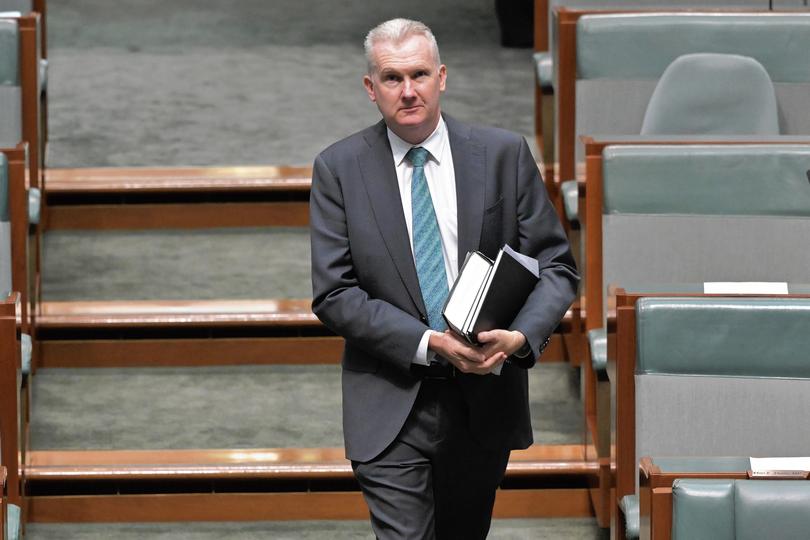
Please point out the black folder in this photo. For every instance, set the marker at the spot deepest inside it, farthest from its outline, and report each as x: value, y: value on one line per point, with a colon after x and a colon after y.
x: 489, y: 294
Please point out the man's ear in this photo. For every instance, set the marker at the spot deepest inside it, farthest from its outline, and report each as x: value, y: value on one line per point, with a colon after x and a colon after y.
x: 442, y: 77
x: 369, y: 84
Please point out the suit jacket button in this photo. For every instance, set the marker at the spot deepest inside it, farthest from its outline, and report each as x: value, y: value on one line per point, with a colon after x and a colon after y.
x: 423, y: 319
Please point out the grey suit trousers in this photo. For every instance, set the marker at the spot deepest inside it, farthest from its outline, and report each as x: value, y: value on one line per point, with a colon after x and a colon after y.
x: 434, y: 480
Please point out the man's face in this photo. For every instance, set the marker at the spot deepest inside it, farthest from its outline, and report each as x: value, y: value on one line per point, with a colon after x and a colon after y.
x: 406, y: 85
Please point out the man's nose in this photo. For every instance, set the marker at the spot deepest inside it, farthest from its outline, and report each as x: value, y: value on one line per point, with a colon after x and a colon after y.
x: 407, y: 88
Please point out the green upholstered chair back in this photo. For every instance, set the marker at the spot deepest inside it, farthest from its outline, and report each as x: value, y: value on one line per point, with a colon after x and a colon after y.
x: 699, y: 213
x: 20, y: 6
x: 10, y: 92
x: 5, y: 227
x: 708, y: 93
x: 740, y: 509
x: 621, y: 57
x: 722, y: 376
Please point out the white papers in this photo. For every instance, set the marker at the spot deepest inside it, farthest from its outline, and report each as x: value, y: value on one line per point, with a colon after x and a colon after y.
x: 467, y: 290
x: 780, y: 464
x: 745, y: 287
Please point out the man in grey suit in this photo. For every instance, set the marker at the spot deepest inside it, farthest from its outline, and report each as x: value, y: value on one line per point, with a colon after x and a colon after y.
x: 428, y: 424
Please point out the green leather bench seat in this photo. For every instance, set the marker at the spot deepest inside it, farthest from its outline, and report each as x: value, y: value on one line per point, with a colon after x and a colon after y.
x: 740, y: 509
x: 733, y: 337
x: 707, y: 179
x: 697, y: 213
x: 734, y: 369
x: 647, y: 4
x: 641, y: 46
x: 720, y: 377
x: 620, y: 58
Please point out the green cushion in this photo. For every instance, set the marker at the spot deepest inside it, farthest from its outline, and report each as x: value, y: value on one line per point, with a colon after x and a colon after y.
x: 544, y: 69
x: 23, y: 6
x: 742, y: 337
x: 26, y: 348
x: 632, y: 515
x: 740, y: 509
x: 712, y: 93
x: 772, y: 509
x: 4, y: 213
x: 707, y: 179
x: 34, y: 204
x: 641, y: 46
x: 598, y: 344
x: 570, y: 193
x: 14, y: 523
x: 9, y: 53
x: 703, y: 510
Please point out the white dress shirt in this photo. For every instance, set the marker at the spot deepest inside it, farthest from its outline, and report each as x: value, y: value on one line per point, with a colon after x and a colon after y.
x: 441, y: 180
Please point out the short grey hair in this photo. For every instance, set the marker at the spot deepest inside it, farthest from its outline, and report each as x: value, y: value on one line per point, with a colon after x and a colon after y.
x: 397, y: 31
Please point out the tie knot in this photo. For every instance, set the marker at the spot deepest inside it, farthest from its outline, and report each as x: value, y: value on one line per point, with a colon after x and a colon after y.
x: 417, y: 156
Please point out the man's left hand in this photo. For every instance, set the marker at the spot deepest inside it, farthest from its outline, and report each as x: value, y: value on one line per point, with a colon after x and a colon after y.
x: 501, y: 342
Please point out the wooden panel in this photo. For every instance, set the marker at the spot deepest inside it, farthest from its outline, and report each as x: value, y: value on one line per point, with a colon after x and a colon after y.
x: 10, y: 310
x: 205, y: 313
x: 197, y: 507
x: 177, y: 179
x: 190, y: 352
x: 178, y: 215
x: 273, y: 506
x: 537, y: 460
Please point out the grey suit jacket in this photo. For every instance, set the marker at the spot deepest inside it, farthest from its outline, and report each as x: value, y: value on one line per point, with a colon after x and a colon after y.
x: 365, y: 286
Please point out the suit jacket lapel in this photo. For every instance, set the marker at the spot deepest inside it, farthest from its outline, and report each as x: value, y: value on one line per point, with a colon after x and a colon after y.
x: 469, y: 160
x: 380, y: 179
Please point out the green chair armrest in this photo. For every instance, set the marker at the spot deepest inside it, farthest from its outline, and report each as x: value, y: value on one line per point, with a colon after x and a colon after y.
x: 34, y: 205
x: 597, y: 339
x: 14, y: 525
x: 26, y: 347
x: 570, y: 193
x: 544, y: 69
x: 632, y: 515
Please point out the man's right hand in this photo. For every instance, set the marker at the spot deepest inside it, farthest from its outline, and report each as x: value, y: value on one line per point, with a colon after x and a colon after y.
x: 467, y: 358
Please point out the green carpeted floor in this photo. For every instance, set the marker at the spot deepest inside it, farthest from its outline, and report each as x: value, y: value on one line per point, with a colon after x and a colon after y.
x: 502, y: 529
x: 234, y: 407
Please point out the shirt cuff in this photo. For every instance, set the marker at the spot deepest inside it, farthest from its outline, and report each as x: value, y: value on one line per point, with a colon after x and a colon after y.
x: 524, y: 351
x: 423, y: 356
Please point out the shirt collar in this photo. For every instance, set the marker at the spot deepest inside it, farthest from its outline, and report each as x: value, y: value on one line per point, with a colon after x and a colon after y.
x: 435, y: 144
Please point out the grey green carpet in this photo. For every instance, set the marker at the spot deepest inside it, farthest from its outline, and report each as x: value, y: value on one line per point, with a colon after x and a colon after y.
x: 176, y: 265
x: 502, y: 529
x: 233, y: 407
x: 149, y: 82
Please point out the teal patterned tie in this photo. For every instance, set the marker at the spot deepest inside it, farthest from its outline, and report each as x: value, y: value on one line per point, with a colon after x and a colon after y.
x: 427, y: 243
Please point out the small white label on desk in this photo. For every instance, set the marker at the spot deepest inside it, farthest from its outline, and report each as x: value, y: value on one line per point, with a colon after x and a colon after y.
x: 745, y: 287
x: 780, y: 464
